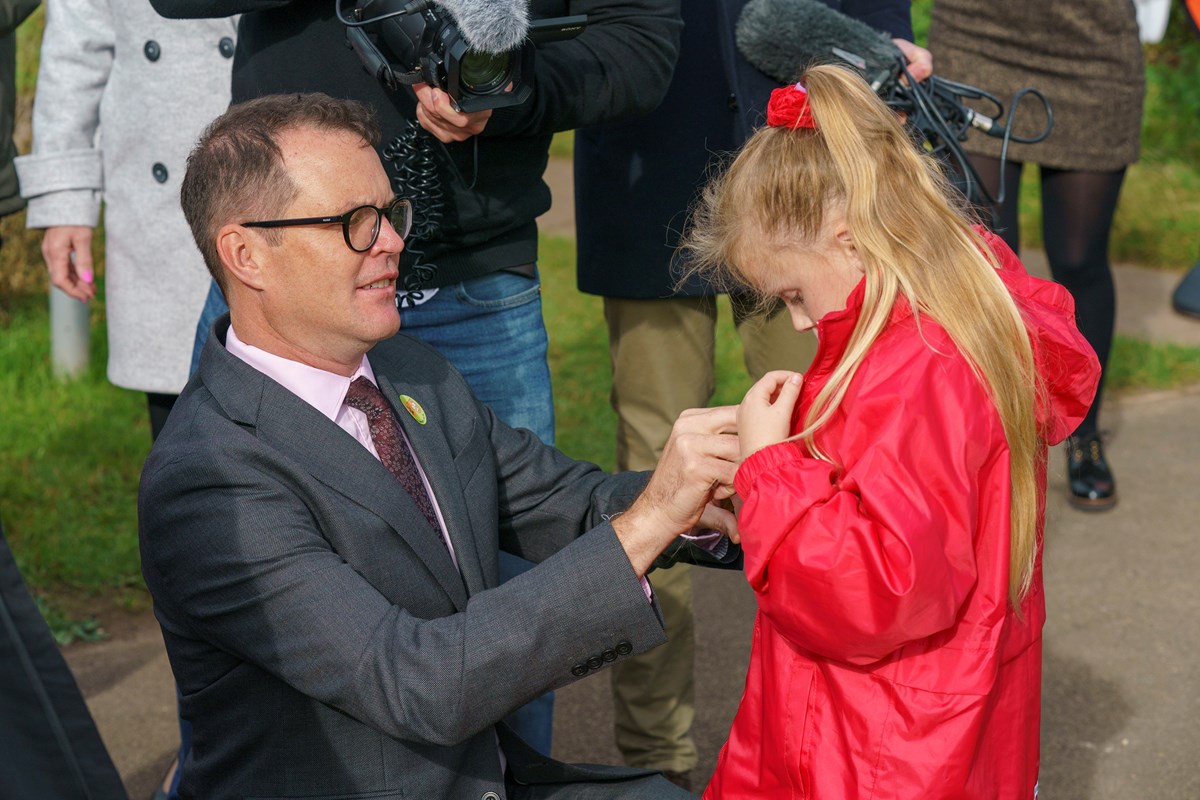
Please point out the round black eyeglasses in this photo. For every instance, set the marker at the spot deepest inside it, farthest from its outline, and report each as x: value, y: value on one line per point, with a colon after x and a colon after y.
x: 360, y: 226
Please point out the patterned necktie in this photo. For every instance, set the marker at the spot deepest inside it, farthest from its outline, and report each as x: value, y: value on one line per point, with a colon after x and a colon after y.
x: 389, y: 442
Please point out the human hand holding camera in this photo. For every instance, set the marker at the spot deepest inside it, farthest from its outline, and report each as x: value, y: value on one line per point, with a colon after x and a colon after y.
x: 437, y: 115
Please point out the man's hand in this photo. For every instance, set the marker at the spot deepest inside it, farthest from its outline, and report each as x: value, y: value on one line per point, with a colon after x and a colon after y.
x: 436, y: 113
x: 717, y: 518
x: 920, y: 60
x: 765, y: 415
x: 74, y: 278
x: 696, y: 467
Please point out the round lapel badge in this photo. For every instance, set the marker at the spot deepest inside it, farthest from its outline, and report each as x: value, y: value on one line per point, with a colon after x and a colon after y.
x: 414, y: 408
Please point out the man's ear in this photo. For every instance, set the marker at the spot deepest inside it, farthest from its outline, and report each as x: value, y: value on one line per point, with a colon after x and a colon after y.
x: 240, y: 250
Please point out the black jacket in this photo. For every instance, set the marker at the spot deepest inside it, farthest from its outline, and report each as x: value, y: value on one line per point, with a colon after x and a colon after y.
x: 619, y: 66
x: 636, y: 180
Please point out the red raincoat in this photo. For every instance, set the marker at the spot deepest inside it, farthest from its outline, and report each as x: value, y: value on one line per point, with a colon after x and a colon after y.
x: 887, y: 661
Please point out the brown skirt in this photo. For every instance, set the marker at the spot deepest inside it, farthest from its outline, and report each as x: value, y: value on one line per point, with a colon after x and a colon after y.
x: 1083, y: 55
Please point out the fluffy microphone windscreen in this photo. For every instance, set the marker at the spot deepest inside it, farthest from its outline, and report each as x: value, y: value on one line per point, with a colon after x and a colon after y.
x: 782, y: 38
x: 492, y: 26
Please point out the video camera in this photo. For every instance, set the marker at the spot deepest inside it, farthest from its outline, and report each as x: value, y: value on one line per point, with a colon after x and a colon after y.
x: 451, y: 46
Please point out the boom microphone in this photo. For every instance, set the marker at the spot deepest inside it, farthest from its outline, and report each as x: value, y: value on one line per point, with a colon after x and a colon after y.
x: 784, y: 37
x: 490, y: 26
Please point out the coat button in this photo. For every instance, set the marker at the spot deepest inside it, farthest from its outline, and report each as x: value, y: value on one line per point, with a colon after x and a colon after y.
x: 595, y: 662
x: 579, y: 670
x: 152, y: 51
x: 733, y: 103
x: 490, y: 796
x: 623, y: 648
x: 226, y: 46
x: 160, y: 173
x: 609, y: 655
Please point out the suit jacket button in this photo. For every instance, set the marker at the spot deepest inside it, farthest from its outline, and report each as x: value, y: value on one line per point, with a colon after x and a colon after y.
x: 151, y: 50
x: 579, y: 670
x: 609, y: 655
x: 733, y: 102
x: 226, y: 46
x: 624, y: 648
x: 595, y: 662
x: 160, y: 172
x: 490, y: 796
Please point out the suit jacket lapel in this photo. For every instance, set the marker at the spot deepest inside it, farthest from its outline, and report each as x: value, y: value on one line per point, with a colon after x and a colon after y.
x: 329, y: 454
x: 430, y: 447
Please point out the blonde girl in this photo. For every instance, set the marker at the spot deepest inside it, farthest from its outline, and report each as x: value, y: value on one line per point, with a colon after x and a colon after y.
x: 892, y: 497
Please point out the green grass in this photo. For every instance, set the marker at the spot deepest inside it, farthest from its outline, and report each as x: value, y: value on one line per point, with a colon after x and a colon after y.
x: 72, y: 454
x: 585, y: 422
x: 1136, y: 365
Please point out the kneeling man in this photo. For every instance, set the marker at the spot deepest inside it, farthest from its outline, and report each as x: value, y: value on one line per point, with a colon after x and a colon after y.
x: 320, y: 519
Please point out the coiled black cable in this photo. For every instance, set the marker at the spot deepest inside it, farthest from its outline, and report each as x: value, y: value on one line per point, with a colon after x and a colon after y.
x: 415, y: 176
x: 936, y: 112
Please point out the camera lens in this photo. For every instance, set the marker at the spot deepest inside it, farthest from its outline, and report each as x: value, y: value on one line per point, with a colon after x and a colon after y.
x: 484, y: 73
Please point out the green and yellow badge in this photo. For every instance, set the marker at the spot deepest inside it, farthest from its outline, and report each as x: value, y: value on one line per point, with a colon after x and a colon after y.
x: 414, y: 408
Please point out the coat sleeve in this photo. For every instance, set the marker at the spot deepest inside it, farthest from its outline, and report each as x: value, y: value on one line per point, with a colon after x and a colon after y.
x: 63, y: 176
x: 854, y: 562
x: 619, y: 67
x: 235, y: 557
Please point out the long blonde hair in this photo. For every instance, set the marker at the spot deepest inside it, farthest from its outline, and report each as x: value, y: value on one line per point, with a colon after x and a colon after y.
x: 914, y: 237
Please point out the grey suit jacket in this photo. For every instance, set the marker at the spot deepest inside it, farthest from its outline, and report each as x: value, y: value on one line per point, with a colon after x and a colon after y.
x: 322, y: 640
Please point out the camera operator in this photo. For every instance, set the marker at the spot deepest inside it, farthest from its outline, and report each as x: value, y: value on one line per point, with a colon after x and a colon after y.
x: 485, y: 316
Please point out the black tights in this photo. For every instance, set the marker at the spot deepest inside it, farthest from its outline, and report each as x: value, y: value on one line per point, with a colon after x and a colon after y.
x: 1077, y: 215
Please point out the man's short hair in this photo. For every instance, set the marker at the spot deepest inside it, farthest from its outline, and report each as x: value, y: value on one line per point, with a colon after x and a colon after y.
x: 236, y: 170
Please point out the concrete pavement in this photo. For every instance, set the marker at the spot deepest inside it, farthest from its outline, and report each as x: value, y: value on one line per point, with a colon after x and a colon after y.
x: 1121, y: 716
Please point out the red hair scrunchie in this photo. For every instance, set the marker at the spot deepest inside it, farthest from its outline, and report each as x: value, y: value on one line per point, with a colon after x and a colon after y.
x: 788, y: 108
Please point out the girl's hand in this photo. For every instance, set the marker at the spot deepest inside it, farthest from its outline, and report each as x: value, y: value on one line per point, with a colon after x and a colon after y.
x: 765, y: 415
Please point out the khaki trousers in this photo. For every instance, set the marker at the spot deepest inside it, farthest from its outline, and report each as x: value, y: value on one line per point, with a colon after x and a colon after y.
x: 662, y: 361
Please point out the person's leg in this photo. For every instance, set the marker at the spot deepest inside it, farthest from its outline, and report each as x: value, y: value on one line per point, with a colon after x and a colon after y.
x: 662, y: 357
x: 1077, y: 215
x: 214, y: 306
x: 160, y: 406
x: 491, y: 330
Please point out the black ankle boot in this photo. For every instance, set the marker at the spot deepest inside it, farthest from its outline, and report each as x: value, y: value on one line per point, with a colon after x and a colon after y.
x: 1091, y: 481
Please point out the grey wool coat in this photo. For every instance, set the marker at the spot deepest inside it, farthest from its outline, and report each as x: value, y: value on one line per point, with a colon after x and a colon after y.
x: 122, y: 96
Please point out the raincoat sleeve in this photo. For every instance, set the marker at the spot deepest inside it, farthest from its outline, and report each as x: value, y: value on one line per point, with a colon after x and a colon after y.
x: 854, y: 562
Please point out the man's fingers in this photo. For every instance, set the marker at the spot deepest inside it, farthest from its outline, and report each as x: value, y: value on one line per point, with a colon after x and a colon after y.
x: 436, y: 113
x: 715, y: 518
x: 718, y: 419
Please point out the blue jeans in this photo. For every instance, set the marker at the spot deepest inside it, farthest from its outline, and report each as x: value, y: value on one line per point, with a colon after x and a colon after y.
x: 491, y: 329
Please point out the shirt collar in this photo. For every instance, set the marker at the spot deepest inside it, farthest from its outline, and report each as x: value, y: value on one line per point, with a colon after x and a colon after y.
x: 324, y: 391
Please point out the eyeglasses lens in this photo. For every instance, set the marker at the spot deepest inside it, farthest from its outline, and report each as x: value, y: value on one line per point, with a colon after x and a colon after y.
x: 362, y: 228
x: 400, y: 215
